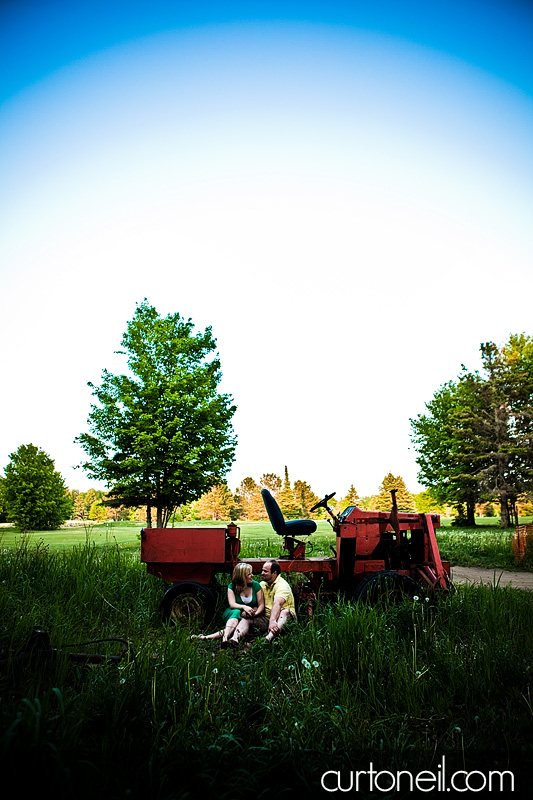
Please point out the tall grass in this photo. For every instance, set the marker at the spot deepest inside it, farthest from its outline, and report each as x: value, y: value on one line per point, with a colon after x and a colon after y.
x: 399, y: 686
x: 485, y: 547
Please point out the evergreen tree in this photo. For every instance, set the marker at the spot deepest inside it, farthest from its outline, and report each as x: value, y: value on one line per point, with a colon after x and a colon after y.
x: 287, y: 501
x: 351, y: 499
x: 35, y: 495
x: 476, y: 441
x: 305, y: 499
x: 404, y: 498
x: 161, y: 435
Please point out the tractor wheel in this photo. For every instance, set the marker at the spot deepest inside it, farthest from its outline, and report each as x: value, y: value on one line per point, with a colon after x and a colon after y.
x: 386, y: 587
x: 188, y: 603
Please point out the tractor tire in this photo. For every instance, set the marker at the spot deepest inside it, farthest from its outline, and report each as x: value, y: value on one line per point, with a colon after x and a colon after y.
x: 386, y: 587
x: 188, y: 603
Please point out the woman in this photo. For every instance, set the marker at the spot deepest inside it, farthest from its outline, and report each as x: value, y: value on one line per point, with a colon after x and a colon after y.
x: 245, y: 601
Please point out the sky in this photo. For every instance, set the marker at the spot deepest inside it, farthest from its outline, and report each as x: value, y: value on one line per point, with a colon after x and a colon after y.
x: 343, y: 191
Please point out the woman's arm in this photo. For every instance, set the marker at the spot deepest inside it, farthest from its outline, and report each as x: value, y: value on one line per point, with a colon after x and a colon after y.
x: 260, y: 603
x: 232, y: 602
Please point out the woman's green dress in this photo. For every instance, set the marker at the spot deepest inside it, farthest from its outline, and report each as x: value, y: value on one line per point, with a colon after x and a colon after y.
x: 235, y: 613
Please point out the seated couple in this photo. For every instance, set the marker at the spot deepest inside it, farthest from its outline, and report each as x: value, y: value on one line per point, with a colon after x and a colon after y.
x: 265, y: 607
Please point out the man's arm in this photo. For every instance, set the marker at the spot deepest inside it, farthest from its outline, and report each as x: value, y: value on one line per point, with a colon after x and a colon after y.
x: 277, y: 605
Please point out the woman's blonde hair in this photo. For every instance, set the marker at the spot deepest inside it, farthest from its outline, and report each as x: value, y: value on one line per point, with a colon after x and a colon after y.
x: 239, y: 576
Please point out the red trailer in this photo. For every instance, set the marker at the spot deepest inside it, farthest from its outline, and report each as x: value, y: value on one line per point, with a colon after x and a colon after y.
x: 376, y: 553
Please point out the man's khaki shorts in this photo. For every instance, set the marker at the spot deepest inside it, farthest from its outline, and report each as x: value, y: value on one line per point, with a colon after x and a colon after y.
x: 260, y: 623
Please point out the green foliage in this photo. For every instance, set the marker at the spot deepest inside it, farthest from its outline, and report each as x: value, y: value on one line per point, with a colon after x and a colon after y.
x: 476, y: 440
x: 426, y: 503
x: 404, y: 498
x: 399, y: 686
x: 287, y: 500
x: 305, y: 498
x: 34, y: 494
x: 351, y: 499
x: 3, y: 509
x: 161, y: 435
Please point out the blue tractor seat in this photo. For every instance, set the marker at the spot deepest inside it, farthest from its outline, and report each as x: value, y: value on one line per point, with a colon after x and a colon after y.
x: 291, y: 527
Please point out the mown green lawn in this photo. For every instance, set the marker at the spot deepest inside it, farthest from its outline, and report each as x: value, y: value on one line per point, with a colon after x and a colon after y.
x: 485, y: 546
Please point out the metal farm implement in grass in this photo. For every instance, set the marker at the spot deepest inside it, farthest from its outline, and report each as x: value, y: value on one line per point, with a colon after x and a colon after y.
x: 378, y: 554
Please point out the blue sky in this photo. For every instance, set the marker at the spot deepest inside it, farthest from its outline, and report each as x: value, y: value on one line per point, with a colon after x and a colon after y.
x: 342, y: 190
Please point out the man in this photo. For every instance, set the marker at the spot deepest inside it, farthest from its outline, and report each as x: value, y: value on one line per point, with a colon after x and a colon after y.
x: 279, y: 601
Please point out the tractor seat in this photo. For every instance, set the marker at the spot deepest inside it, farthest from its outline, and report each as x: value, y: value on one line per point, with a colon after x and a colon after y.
x: 291, y: 527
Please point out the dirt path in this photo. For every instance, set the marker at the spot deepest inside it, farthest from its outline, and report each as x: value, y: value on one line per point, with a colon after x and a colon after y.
x: 518, y: 580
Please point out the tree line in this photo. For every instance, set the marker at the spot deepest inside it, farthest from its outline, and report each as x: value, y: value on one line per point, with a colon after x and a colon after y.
x: 160, y: 436
x: 33, y: 495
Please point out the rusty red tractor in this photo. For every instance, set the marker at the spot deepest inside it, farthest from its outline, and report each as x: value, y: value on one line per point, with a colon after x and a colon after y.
x: 377, y: 554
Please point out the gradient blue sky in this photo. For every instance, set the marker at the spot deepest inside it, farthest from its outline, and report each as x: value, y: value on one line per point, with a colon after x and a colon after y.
x: 342, y: 190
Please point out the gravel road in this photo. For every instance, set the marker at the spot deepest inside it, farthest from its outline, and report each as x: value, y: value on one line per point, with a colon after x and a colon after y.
x: 518, y: 580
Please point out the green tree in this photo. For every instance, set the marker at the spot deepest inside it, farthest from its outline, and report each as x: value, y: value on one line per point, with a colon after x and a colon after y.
x: 3, y: 509
x: 446, y: 452
x: 476, y: 441
x: 305, y: 498
x: 404, y: 498
x: 351, y: 499
x: 161, y: 435
x: 35, y: 495
x: 286, y: 499
x: 426, y: 503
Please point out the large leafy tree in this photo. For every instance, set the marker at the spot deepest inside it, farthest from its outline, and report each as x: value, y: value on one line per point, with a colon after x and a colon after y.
x: 161, y: 435
x: 34, y: 493
x: 446, y: 455
x: 476, y: 440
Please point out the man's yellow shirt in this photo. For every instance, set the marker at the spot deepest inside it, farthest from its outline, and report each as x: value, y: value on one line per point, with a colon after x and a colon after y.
x: 279, y: 588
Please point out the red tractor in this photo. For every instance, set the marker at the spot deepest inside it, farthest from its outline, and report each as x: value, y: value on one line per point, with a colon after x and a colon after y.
x: 377, y: 553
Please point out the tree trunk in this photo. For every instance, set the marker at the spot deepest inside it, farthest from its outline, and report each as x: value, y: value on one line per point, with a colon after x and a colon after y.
x: 471, y: 513
x: 504, y: 510
x: 148, y: 516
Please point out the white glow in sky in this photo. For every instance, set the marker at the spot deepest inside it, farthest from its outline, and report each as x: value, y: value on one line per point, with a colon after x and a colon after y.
x: 347, y: 204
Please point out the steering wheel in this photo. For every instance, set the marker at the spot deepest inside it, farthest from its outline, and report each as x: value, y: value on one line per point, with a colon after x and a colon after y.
x: 322, y: 503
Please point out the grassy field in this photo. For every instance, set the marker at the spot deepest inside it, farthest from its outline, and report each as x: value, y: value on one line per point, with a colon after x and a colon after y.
x: 485, y: 546
x: 398, y: 687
